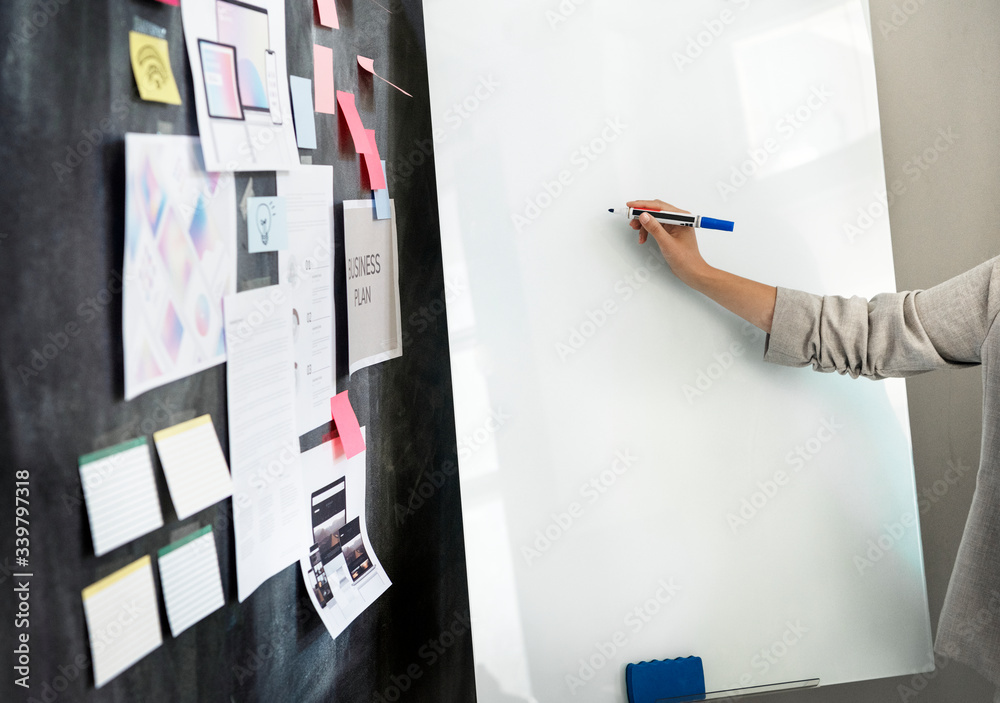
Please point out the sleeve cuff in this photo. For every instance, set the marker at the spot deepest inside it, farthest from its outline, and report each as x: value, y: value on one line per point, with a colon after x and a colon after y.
x: 795, y: 315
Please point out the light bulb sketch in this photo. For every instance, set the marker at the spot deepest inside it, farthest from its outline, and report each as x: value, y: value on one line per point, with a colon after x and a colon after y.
x: 263, y: 218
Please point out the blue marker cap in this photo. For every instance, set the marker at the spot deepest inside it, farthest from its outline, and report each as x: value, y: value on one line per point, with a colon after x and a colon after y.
x: 712, y: 223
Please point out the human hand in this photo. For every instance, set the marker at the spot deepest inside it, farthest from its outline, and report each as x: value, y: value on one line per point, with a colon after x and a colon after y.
x: 678, y: 244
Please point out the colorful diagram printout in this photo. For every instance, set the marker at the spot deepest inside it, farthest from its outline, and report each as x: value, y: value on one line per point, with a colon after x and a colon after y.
x: 180, y: 260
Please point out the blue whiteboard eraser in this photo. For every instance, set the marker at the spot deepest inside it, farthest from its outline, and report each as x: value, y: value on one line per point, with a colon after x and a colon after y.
x: 652, y: 681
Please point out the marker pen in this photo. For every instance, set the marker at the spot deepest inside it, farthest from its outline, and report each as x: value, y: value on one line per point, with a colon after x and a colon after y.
x: 676, y: 218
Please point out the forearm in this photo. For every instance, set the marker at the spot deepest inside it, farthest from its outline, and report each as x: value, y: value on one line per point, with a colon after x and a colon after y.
x: 752, y: 301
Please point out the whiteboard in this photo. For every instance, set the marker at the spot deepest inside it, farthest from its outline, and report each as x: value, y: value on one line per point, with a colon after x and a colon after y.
x: 636, y: 483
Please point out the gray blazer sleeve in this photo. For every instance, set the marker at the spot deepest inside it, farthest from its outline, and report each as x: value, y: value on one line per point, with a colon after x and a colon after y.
x: 893, y: 334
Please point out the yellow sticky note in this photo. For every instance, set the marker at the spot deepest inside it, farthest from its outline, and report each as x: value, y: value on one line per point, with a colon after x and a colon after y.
x: 151, y: 67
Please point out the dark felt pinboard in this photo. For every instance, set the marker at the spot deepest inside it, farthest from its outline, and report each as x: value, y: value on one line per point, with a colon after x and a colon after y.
x: 66, y: 88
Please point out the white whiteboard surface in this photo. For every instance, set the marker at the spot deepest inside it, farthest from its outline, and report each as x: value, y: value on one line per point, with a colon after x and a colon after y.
x: 572, y: 347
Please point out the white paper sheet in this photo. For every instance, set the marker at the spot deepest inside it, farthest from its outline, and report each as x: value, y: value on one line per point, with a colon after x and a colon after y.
x: 342, y: 573
x: 120, y: 492
x: 373, y: 317
x: 123, y: 619
x: 189, y: 576
x: 194, y: 465
x: 180, y: 260
x: 270, y: 524
x: 307, y: 269
x: 238, y: 68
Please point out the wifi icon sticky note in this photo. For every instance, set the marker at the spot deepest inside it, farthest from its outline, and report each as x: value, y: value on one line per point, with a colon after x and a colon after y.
x: 151, y: 68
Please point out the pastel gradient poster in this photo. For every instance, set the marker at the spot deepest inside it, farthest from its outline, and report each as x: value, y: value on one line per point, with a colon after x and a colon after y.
x: 180, y: 260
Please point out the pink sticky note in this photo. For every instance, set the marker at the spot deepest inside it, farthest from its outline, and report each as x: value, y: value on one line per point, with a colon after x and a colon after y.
x: 373, y: 162
x: 323, y: 80
x: 347, y: 424
x: 350, y: 113
x: 369, y: 65
x: 328, y: 13
x: 175, y: 3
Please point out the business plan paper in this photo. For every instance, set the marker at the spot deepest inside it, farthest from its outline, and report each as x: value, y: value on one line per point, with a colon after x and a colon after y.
x: 306, y: 270
x: 270, y: 525
x: 373, y: 317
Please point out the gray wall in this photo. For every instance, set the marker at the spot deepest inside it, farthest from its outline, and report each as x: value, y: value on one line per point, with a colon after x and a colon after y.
x: 937, y: 65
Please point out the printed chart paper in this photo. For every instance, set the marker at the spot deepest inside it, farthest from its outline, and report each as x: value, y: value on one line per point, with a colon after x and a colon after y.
x: 180, y: 260
x: 238, y: 68
x: 123, y: 619
x: 269, y: 523
x: 189, y: 577
x: 307, y: 269
x: 373, y: 318
x: 120, y: 493
x: 342, y: 574
x: 194, y: 465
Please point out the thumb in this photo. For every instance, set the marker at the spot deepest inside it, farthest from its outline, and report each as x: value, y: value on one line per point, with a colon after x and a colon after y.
x: 655, y: 229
